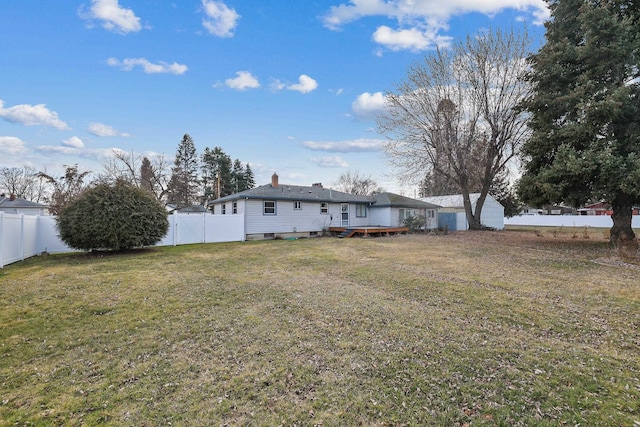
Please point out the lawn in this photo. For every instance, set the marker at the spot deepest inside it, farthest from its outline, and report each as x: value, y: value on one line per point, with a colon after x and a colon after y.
x: 480, y: 329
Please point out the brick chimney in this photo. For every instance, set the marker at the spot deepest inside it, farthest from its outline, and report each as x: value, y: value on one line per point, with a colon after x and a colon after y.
x: 12, y: 197
x: 317, y: 185
x: 274, y: 180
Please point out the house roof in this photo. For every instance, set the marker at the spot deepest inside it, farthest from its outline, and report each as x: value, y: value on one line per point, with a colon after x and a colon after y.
x: 454, y: 200
x: 6, y: 202
x: 295, y: 192
x: 398, y: 201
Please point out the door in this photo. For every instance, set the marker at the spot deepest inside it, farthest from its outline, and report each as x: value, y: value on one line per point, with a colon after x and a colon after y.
x: 344, y: 212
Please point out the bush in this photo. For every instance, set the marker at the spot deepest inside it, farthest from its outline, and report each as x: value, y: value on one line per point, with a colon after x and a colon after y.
x: 113, y: 217
x: 415, y: 223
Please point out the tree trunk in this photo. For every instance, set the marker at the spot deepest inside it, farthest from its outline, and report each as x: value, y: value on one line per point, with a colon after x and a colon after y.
x: 622, y: 236
x: 474, y: 224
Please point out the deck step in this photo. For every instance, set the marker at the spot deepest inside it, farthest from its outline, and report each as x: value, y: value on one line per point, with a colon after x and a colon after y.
x: 349, y: 232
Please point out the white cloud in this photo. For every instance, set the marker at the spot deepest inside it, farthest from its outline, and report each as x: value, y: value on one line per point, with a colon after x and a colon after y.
x: 221, y: 20
x: 277, y: 85
x: 243, y: 80
x: 409, y: 39
x: 148, y: 67
x: 12, y: 146
x: 349, y: 146
x: 329, y: 162
x: 420, y: 22
x: 305, y: 84
x: 89, y: 153
x: 73, y: 142
x: 99, y: 129
x: 32, y: 115
x: 368, y: 105
x: 113, y: 16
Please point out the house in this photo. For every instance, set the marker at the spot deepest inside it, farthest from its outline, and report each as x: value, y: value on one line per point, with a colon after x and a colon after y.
x: 280, y: 210
x: 452, y: 213
x: 392, y: 209
x: 17, y: 205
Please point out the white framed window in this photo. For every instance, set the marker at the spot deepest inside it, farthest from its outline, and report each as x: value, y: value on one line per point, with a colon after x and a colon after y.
x: 431, y: 213
x: 297, y: 206
x: 224, y: 209
x: 324, y: 208
x: 269, y: 207
x: 234, y: 208
x: 361, y: 210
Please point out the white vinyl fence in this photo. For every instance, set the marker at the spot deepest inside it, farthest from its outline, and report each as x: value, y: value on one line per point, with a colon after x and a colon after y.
x: 23, y: 236
x: 598, y: 221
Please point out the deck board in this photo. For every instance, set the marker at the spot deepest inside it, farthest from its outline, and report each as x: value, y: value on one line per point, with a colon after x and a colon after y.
x: 371, y: 231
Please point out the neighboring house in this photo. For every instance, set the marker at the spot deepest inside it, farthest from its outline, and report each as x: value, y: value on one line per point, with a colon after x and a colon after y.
x: 280, y: 210
x: 392, y: 209
x: 16, y: 205
x: 452, y: 213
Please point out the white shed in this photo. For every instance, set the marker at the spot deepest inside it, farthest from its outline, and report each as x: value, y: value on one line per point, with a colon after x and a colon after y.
x: 492, y: 211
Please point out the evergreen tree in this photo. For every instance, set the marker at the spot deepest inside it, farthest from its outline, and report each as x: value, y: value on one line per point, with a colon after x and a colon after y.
x: 238, y: 177
x: 183, y: 186
x: 249, y: 179
x: 585, y: 111
x: 146, y: 175
x: 217, y: 176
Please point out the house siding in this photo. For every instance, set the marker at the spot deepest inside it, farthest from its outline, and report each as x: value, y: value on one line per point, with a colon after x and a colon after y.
x: 288, y: 221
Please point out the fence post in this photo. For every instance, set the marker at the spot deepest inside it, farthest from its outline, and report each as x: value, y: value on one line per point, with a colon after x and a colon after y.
x: 204, y: 228
x: 22, y: 237
x: 175, y: 228
x: 1, y: 239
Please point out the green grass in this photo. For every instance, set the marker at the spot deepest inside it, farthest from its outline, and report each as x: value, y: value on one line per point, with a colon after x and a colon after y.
x: 508, y: 328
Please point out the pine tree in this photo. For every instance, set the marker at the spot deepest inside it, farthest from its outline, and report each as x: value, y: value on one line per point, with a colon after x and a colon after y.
x: 184, y: 175
x: 249, y: 179
x: 585, y: 112
x: 216, y: 173
x: 238, y: 177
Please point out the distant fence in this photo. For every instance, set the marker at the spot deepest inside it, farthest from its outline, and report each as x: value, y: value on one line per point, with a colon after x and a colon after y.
x: 23, y: 236
x: 598, y: 221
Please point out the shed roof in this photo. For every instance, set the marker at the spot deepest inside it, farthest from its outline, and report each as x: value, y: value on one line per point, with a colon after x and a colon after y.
x: 6, y: 202
x: 396, y: 200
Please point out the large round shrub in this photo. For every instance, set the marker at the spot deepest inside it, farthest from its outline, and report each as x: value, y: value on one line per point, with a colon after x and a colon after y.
x: 113, y: 217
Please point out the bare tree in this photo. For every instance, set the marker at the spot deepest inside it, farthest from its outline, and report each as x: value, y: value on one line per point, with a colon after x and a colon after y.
x: 354, y: 183
x: 22, y: 182
x: 455, y: 114
x: 151, y: 175
x: 66, y: 188
x: 123, y: 166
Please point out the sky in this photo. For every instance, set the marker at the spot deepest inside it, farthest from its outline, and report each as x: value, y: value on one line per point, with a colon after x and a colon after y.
x: 289, y: 87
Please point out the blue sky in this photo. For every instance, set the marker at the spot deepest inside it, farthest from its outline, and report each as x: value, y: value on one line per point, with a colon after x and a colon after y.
x: 291, y: 87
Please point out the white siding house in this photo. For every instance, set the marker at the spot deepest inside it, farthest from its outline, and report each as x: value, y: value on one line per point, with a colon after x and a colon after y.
x: 492, y: 211
x: 390, y: 210
x: 281, y: 211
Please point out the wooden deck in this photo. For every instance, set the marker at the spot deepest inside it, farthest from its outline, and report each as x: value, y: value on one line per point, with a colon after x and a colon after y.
x: 367, y: 231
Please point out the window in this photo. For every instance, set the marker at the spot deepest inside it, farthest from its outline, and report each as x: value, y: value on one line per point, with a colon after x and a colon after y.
x: 234, y: 208
x: 213, y: 209
x: 269, y: 207
x: 297, y: 206
x: 431, y: 213
x: 324, y: 208
x: 361, y: 211
x: 224, y: 209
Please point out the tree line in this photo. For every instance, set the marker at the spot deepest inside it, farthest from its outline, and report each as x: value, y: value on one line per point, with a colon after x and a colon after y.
x: 192, y: 179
